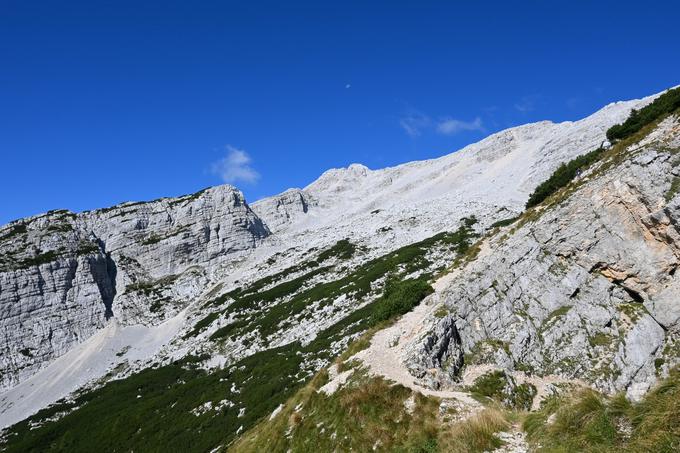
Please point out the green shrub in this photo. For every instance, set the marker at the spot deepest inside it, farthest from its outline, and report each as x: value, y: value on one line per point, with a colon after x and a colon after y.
x: 60, y: 227
x: 666, y: 103
x: 17, y: 229
x: 674, y: 189
x: 400, y: 297
x: 562, y: 176
x: 343, y: 249
x: 39, y: 259
x: 152, y: 239
x: 86, y: 248
x: 490, y: 385
x: 202, y: 324
x: 504, y: 222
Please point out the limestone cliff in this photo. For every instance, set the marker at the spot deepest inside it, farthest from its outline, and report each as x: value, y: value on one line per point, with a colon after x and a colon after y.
x: 63, y: 275
x: 584, y: 287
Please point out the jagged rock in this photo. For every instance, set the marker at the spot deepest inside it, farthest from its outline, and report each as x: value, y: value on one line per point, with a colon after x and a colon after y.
x: 281, y: 210
x: 440, y: 349
x: 587, y: 289
x: 63, y: 275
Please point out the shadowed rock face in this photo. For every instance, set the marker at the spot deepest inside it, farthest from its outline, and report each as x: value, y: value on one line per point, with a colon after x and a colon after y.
x: 588, y: 290
x: 62, y: 275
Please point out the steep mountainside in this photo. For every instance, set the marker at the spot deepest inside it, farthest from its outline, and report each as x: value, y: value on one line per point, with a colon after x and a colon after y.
x: 198, y: 314
x: 62, y: 275
x: 584, y: 287
x: 578, y: 293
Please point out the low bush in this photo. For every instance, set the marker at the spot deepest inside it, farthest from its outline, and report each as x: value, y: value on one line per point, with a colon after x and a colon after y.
x: 343, y: 249
x: 664, y: 104
x: 564, y: 174
x: 400, y: 297
x: 504, y: 222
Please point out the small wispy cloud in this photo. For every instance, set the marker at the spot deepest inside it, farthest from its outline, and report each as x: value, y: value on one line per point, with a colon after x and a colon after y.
x: 450, y: 126
x: 235, y: 167
x: 414, y: 123
x: 527, y: 103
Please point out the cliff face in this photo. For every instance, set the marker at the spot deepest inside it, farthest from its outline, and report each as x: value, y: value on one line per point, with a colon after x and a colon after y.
x: 62, y: 275
x: 586, y: 287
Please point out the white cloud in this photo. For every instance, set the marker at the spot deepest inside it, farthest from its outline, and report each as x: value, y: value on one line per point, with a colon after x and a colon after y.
x: 527, y: 103
x: 414, y: 123
x: 235, y: 167
x: 450, y: 126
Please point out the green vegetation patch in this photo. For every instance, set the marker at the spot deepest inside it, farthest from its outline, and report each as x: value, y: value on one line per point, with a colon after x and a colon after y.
x: 343, y: 250
x: 39, y: 259
x: 442, y: 312
x: 87, y: 248
x: 60, y: 227
x: 554, y: 316
x: 369, y: 414
x: 500, y: 387
x: 674, y: 188
x: 15, y: 230
x: 564, y: 174
x: 504, y: 222
x: 202, y: 324
x: 485, y: 350
x: 149, y: 287
x: 664, y: 104
x: 357, y: 417
x: 400, y: 297
x: 589, y: 421
x: 634, y: 310
x: 490, y: 385
x: 152, y: 409
x: 600, y: 339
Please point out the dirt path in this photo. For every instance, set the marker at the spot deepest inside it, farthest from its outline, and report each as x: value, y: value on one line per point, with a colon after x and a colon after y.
x: 384, y: 356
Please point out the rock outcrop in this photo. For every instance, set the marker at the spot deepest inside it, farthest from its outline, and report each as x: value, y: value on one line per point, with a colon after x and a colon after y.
x: 586, y: 287
x: 63, y: 275
x: 284, y: 209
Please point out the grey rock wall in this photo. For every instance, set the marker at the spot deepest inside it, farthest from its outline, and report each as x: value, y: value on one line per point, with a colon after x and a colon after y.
x: 62, y: 275
x: 586, y: 288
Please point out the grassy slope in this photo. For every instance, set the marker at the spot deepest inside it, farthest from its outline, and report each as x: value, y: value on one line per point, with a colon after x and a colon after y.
x: 152, y: 409
x: 367, y: 414
x: 589, y: 421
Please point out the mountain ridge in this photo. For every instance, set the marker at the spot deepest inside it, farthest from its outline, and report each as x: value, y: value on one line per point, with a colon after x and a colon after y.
x: 307, y: 242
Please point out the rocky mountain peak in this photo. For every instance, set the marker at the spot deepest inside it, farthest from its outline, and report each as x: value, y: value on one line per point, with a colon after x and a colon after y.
x: 64, y: 275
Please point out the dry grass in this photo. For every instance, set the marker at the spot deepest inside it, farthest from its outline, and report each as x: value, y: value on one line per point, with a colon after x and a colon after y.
x: 366, y: 413
x: 370, y: 414
x: 589, y: 421
x: 475, y: 434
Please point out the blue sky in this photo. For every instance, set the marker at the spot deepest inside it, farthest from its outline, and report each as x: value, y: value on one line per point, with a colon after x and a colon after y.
x: 109, y: 101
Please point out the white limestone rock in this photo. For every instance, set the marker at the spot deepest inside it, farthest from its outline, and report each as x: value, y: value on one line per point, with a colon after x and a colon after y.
x: 588, y: 289
x: 63, y: 275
